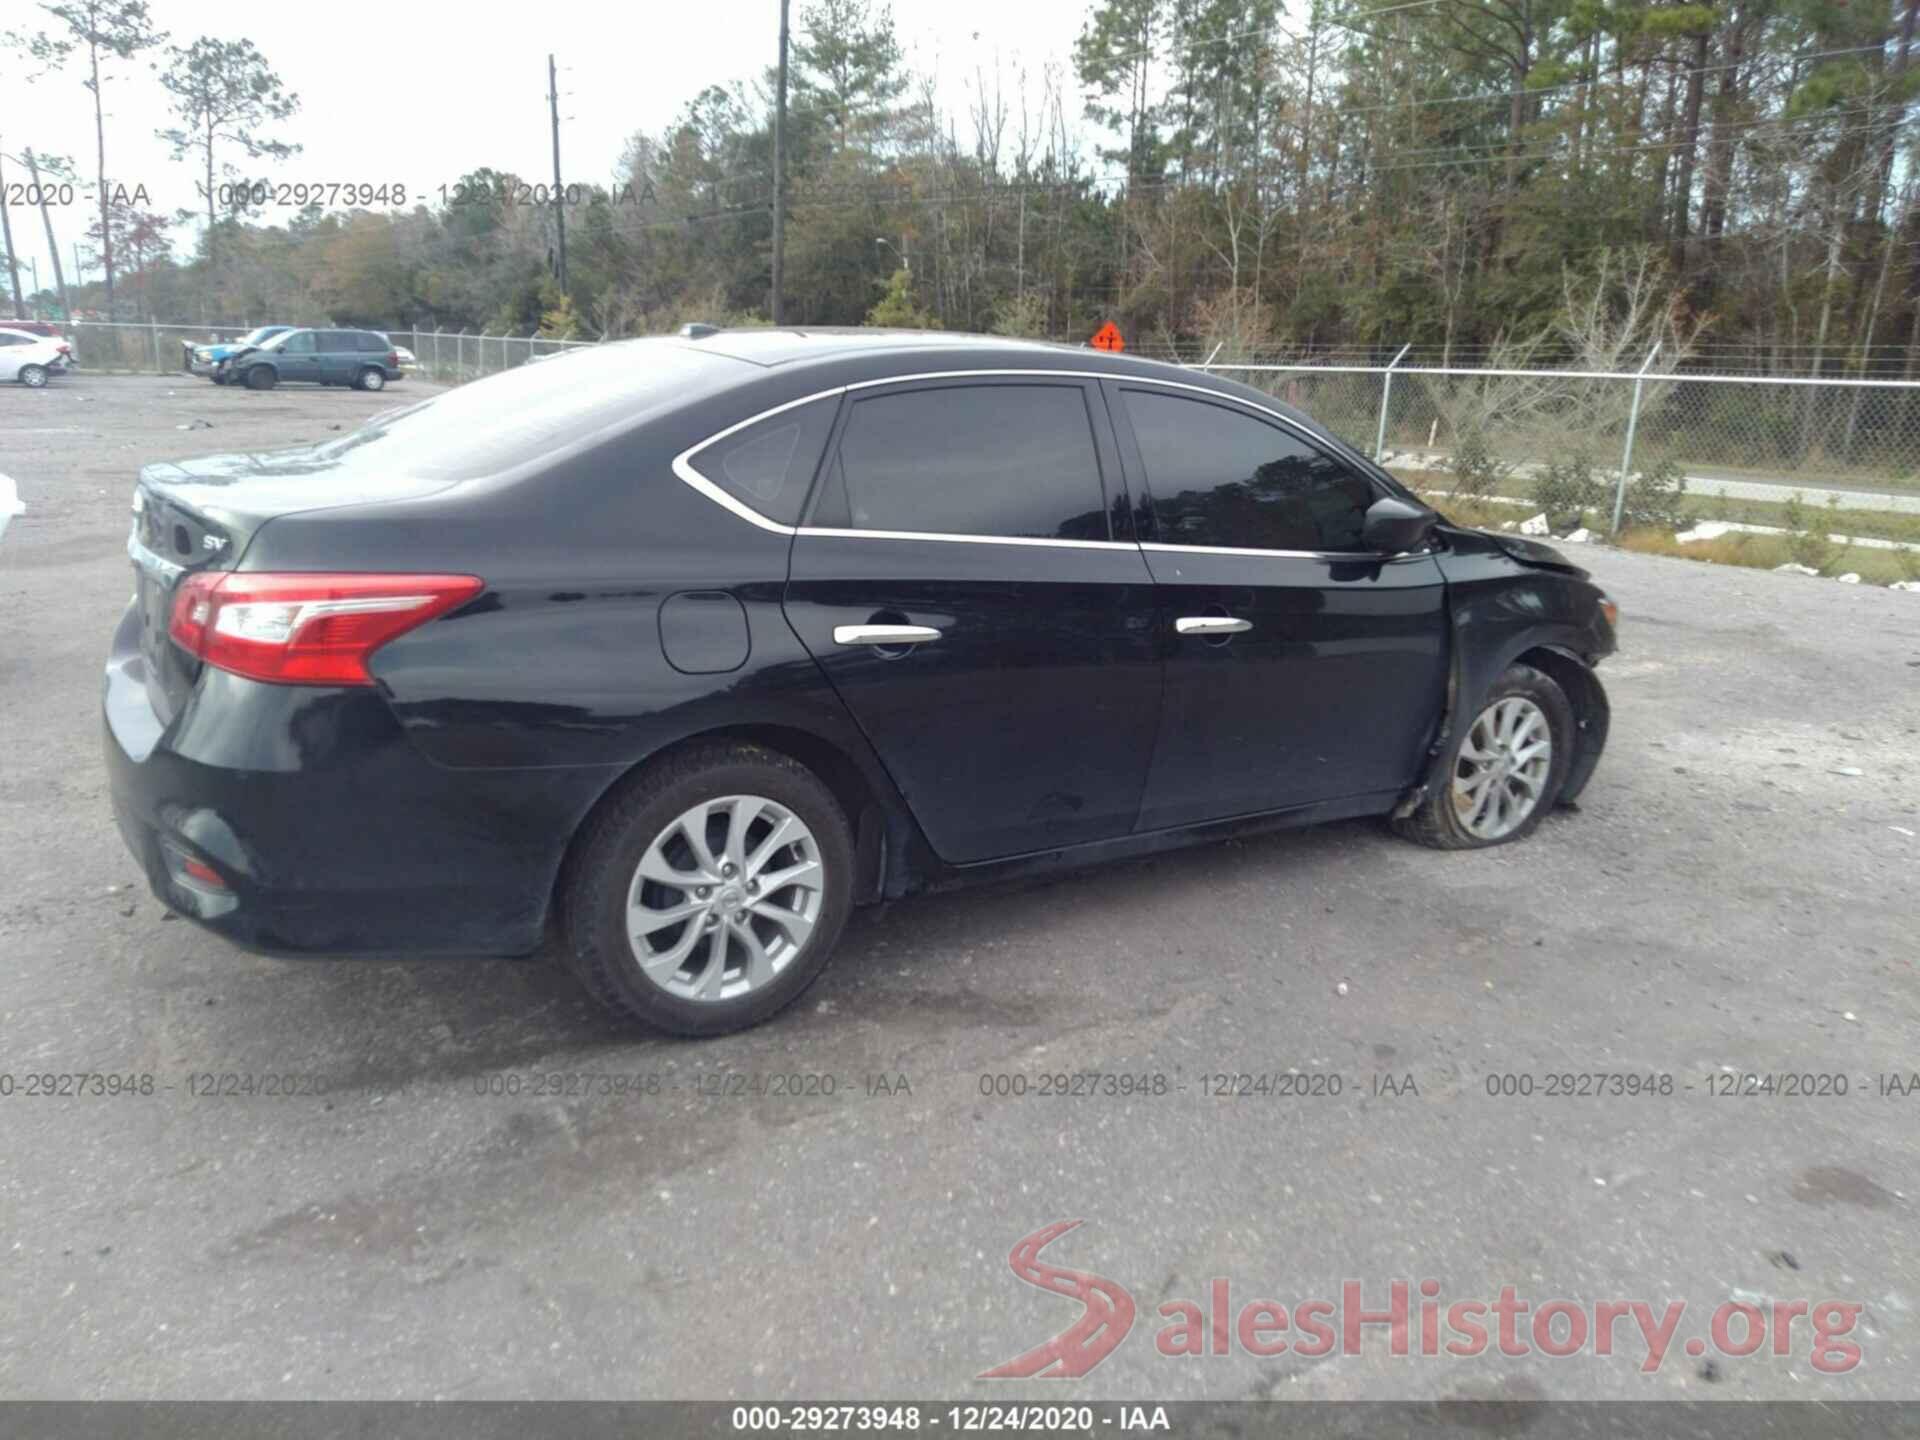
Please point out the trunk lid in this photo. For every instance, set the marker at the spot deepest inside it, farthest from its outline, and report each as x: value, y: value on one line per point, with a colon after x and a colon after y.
x: 194, y: 515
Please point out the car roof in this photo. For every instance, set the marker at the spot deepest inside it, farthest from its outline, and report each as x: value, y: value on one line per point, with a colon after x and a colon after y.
x: 30, y: 334
x: 862, y: 352
x: 764, y: 345
x: 856, y: 353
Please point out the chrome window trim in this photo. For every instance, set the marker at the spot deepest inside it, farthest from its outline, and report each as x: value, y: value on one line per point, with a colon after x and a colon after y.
x: 834, y: 533
x: 683, y: 467
x: 1376, y: 557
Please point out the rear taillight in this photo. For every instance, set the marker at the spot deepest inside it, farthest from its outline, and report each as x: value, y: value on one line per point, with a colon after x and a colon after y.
x: 66, y: 349
x: 306, y: 629
x: 393, y: 359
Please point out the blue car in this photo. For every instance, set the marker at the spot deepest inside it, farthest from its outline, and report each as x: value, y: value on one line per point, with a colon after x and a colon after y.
x: 205, y: 359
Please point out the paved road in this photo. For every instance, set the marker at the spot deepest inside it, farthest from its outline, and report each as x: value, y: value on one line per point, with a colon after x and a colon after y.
x: 1725, y: 898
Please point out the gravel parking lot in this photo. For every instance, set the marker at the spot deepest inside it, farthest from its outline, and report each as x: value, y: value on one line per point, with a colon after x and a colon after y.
x: 423, y: 1218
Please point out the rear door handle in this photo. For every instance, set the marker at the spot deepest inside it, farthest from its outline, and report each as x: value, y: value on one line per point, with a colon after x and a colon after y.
x: 1210, y: 625
x: 884, y: 634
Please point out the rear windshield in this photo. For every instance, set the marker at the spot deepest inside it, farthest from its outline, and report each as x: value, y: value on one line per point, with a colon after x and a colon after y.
x: 505, y: 421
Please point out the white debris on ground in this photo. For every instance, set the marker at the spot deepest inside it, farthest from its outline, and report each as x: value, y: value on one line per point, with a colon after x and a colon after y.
x: 1793, y: 568
x: 1704, y: 530
x: 1911, y: 586
x: 10, y: 505
x: 1852, y: 577
x: 1536, y: 526
x: 1582, y: 536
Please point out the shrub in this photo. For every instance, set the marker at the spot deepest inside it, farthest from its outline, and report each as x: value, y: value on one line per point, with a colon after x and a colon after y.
x: 1806, y: 545
x: 1656, y: 497
x: 1474, y: 470
x: 1566, y: 490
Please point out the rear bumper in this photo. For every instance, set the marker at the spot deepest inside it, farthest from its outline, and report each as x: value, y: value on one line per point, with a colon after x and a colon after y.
x: 329, y: 833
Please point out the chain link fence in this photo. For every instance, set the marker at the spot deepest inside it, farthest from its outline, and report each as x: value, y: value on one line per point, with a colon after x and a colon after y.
x: 1734, y: 437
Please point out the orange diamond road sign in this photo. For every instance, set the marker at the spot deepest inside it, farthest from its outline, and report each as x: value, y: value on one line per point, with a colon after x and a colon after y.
x: 1108, y: 337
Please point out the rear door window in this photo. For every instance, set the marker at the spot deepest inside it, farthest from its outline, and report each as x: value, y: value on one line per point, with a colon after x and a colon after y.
x: 1015, y: 461
x: 769, y: 465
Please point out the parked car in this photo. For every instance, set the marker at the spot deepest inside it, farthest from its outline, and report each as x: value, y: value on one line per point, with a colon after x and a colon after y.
x: 360, y: 358
x: 684, y: 648
x: 205, y: 359
x: 405, y: 358
x: 43, y: 328
x: 31, y: 359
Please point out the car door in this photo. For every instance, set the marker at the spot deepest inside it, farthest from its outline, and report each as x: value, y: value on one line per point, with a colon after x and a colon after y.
x: 967, y: 582
x: 13, y: 351
x: 299, y: 357
x: 1301, y: 668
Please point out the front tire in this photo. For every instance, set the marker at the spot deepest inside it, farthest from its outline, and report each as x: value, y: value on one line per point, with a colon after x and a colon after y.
x: 1504, y: 768
x: 709, y: 895
x: 34, y: 377
x: 261, y: 377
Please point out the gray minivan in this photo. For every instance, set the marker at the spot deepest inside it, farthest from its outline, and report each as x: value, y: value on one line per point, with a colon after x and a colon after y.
x: 363, y: 359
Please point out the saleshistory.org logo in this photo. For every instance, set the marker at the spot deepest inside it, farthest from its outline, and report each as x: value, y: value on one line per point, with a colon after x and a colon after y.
x: 1413, y: 1320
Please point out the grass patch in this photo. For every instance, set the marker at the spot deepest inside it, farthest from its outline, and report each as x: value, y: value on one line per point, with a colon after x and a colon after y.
x: 1766, y: 552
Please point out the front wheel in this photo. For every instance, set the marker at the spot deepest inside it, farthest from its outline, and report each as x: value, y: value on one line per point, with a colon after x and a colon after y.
x: 1505, y: 768
x: 261, y: 377
x: 33, y: 376
x: 710, y: 895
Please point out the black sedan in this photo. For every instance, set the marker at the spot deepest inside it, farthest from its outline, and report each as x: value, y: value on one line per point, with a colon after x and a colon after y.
x: 679, y: 649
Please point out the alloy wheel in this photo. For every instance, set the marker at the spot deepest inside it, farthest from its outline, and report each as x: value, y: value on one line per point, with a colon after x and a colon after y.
x: 1502, y: 768
x: 725, y: 898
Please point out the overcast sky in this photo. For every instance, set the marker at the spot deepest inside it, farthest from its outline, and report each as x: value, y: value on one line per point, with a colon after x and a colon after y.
x: 419, y: 93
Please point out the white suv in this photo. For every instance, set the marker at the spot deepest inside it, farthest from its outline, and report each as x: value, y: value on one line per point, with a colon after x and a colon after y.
x: 30, y: 359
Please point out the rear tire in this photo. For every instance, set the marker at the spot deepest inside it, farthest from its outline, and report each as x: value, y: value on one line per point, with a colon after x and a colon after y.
x: 370, y: 379
x: 261, y: 377
x: 647, y: 949
x: 1497, y: 783
x: 34, y: 377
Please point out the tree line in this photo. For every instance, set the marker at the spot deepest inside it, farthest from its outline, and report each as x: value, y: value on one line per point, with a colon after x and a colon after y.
x: 1332, y: 180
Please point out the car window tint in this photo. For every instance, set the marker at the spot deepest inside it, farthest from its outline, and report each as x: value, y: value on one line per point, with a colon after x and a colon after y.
x: 769, y: 465
x: 367, y: 340
x: 299, y: 342
x: 13, y: 340
x: 1221, y: 477
x: 1013, y: 460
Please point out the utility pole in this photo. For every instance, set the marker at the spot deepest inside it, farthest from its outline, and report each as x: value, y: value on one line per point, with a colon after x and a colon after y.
x: 13, y: 262
x: 559, y: 203
x: 780, y: 169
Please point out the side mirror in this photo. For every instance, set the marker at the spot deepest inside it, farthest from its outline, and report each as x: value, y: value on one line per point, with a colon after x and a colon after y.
x: 1394, y: 526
